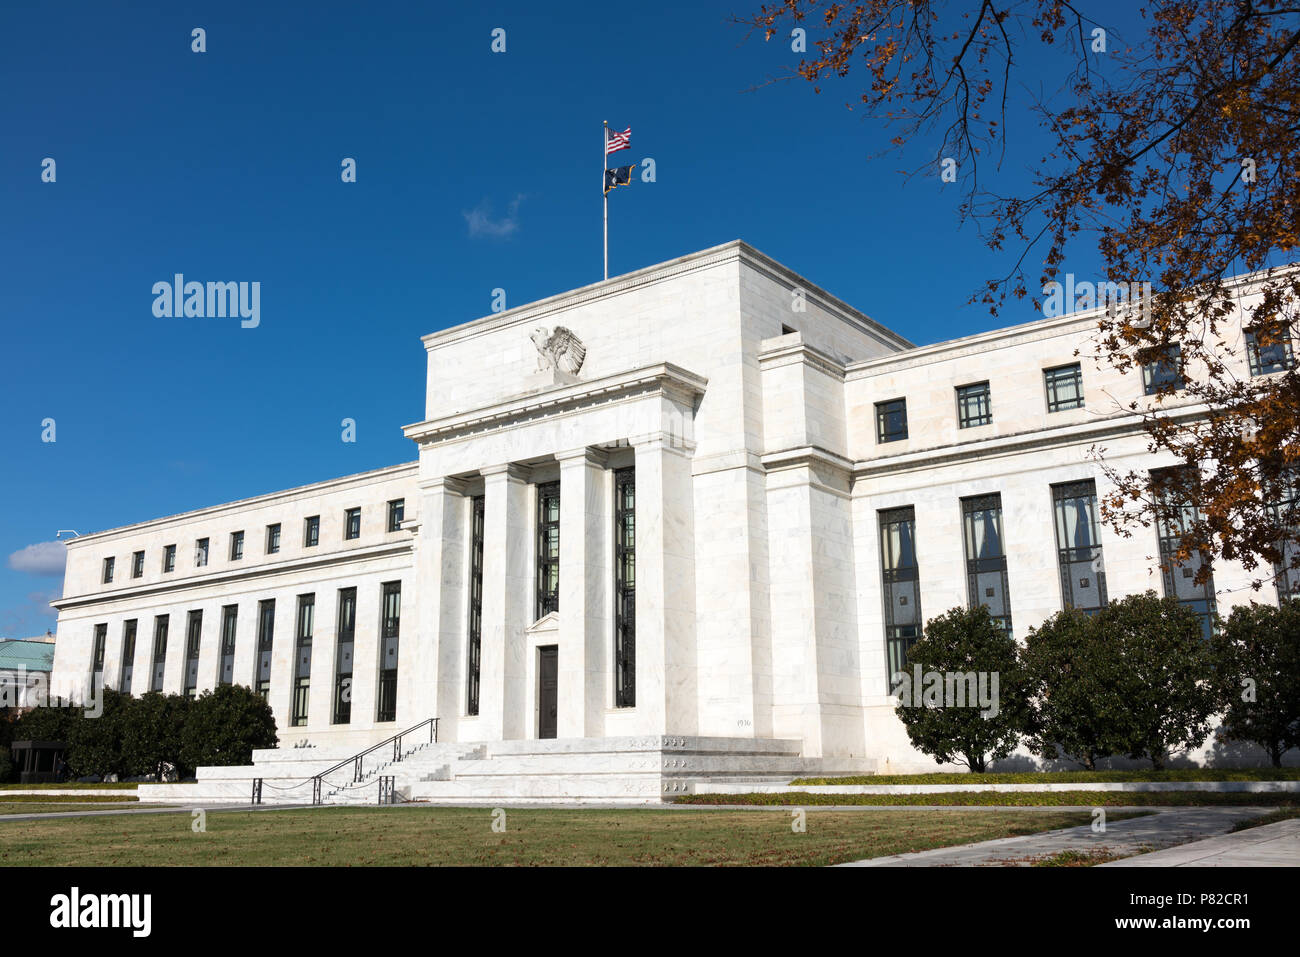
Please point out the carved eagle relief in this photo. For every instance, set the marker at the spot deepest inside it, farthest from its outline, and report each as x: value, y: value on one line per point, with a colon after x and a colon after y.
x: 560, y: 350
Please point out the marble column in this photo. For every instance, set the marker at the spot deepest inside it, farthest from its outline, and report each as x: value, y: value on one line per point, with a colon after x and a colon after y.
x: 585, y: 621
x: 667, y: 681
x: 437, y: 643
x: 507, y: 602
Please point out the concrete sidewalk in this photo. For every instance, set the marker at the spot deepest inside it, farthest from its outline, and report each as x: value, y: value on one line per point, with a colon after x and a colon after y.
x: 1270, y: 845
x: 1166, y: 828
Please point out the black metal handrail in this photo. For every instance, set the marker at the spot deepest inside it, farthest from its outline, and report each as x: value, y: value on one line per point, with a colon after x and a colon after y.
x: 356, y: 760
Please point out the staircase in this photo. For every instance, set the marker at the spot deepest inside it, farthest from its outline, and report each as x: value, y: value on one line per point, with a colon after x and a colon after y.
x: 620, y: 770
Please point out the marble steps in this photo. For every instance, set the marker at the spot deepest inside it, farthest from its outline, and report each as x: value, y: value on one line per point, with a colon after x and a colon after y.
x: 625, y: 769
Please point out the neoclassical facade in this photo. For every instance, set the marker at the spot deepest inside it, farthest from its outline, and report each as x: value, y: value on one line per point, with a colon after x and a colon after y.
x: 706, y: 499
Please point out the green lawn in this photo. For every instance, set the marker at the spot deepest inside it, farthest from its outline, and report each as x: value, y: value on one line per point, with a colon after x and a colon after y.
x: 50, y: 807
x: 1281, y: 814
x: 1005, y: 799
x: 346, y: 837
x: 115, y: 786
x: 1065, y: 777
x: 66, y: 798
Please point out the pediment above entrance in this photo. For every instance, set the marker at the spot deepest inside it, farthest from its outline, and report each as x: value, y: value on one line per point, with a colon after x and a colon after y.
x: 566, y: 400
x: 547, y: 624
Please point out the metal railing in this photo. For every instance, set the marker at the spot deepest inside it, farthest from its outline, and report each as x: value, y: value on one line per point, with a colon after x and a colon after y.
x: 358, y: 760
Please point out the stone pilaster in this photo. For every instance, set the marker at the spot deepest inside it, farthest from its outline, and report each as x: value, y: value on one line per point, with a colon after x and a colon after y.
x: 320, y: 704
x: 667, y: 679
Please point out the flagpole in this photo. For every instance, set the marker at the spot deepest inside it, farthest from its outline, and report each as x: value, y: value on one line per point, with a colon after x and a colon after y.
x: 604, y: 162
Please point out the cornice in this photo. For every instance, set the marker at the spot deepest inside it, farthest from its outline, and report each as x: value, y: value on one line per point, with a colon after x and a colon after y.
x: 809, y: 455
x: 227, y: 576
x: 797, y: 353
x: 660, y: 378
x: 270, y: 498
x: 1036, y: 440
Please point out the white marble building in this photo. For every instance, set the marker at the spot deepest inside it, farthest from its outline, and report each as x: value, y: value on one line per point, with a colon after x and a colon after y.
x: 740, y: 417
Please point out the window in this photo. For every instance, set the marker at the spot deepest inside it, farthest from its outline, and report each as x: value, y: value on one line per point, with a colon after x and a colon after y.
x: 625, y: 588
x: 1162, y: 369
x: 352, y: 524
x: 347, y: 631
x: 986, y: 559
x: 97, y: 655
x: 302, y: 660
x: 1286, y: 573
x: 311, y: 532
x: 265, y: 639
x: 388, y: 631
x: 475, y: 642
x: 891, y: 420
x: 900, y: 586
x: 1064, y: 388
x: 108, y: 569
x: 272, y: 538
x: 1177, y: 515
x: 548, y: 548
x: 169, y: 558
x: 229, y: 624
x: 396, y: 514
x: 137, y: 565
x: 1078, y: 546
x: 159, y: 652
x: 973, y: 405
x: 193, y: 634
x: 128, y: 655
x: 236, y: 546
x: 1269, y: 350
x: 201, y: 553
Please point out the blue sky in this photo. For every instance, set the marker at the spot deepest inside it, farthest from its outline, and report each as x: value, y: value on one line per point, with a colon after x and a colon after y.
x: 475, y: 171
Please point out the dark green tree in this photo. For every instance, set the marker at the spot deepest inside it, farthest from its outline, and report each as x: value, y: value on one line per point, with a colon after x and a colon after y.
x: 45, y: 724
x: 1163, y: 675
x: 225, y: 725
x: 961, y: 648
x: 151, y: 733
x: 1076, y: 698
x: 1258, y: 649
x: 95, y: 741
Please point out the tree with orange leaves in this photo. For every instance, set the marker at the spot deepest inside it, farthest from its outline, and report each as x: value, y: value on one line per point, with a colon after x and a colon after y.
x: 1177, y: 155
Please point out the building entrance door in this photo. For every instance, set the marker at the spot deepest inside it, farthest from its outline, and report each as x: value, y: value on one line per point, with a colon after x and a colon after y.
x: 548, y: 660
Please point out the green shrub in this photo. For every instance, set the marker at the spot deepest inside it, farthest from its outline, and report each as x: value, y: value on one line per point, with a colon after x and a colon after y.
x: 45, y: 724
x: 961, y: 642
x: 1076, y: 688
x: 95, y: 743
x: 1160, y: 684
x: 225, y: 725
x: 1258, y: 651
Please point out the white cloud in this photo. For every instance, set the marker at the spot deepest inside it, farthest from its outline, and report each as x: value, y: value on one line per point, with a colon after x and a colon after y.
x: 43, y: 558
x: 481, y: 223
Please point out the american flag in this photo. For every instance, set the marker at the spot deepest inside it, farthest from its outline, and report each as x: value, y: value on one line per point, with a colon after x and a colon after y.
x: 615, y: 141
